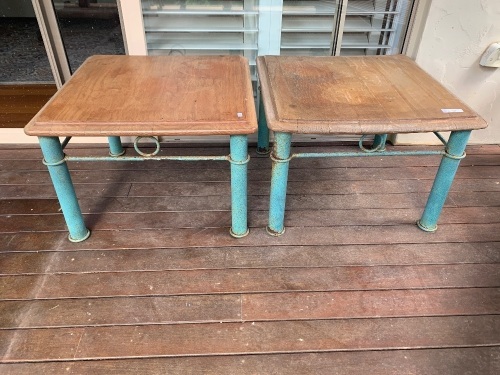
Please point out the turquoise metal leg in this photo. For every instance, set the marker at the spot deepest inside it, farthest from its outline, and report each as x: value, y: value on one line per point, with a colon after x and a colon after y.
x: 59, y: 173
x: 379, y: 142
x: 115, y: 146
x: 279, y: 178
x: 263, y: 132
x: 455, y: 151
x: 239, y: 160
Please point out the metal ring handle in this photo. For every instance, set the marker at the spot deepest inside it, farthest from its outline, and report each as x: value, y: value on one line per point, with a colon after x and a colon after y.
x: 360, y: 143
x: 156, y: 142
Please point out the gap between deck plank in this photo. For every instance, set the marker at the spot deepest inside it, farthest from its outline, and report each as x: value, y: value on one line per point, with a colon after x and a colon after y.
x: 350, y: 204
x: 248, y: 307
x: 223, y: 175
x: 230, y: 281
x: 88, y: 261
x: 219, y: 237
x: 452, y: 361
x: 249, y: 338
x: 257, y: 219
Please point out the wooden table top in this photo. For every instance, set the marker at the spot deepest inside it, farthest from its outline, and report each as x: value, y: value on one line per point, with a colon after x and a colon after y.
x: 152, y: 95
x: 358, y: 95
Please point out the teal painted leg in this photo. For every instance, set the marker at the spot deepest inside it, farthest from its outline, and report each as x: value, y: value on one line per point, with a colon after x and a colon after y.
x: 263, y: 132
x: 59, y: 173
x: 115, y: 146
x: 279, y: 178
x: 455, y: 151
x: 377, y: 145
x: 379, y: 142
x: 239, y: 160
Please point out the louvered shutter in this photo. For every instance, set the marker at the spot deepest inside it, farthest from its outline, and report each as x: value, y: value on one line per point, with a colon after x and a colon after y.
x: 345, y: 27
x: 373, y: 27
x: 200, y: 27
x: 307, y: 27
x: 287, y: 27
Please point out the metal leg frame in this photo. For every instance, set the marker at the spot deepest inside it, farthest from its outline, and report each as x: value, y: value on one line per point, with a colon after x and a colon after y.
x: 379, y: 142
x: 239, y: 159
x: 281, y: 160
x: 263, y: 132
x: 115, y: 146
x: 455, y: 151
x: 61, y: 179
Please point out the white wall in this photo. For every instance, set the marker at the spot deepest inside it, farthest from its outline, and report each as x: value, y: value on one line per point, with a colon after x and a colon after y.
x: 455, y: 35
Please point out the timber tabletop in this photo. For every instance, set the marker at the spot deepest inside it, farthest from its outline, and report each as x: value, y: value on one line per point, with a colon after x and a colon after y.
x: 152, y: 95
x: 358, y: 95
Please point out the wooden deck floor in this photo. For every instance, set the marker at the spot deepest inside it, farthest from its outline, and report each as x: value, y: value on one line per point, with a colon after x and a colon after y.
x: 353, y: 287
x: 20, y: 102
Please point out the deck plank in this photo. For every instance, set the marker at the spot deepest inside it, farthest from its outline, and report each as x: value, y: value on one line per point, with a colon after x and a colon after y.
x: 247, y: 307
x: 353, y: 285
x: 248, y: 338
x: 211, y: 237
x: 349, y: 202
x: 449, y: 361
x: 116, y: 260
x: 222, y: 173
x: 222, y: 281
x: 316, y: 214
x: 357, y: 190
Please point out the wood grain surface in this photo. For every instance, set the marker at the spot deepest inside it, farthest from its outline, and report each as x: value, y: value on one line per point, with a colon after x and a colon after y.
x: 152, y: 95
x: 357, y: 95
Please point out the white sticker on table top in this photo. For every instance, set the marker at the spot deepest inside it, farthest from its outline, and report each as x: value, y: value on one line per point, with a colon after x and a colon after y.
x: 451, y: 110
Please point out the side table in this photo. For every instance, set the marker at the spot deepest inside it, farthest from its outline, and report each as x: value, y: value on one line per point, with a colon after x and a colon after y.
x: 149, y: 96
x: 368, y: 95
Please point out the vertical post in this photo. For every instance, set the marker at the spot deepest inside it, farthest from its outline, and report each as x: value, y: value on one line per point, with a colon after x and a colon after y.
x: 279, y: 178
x: 239, y: 159
x: 263, y: 131
x: 379, y: 142
x: 270, y: 15
x: 454, y: 152
x: 61, y: 179
x: 115, y: 146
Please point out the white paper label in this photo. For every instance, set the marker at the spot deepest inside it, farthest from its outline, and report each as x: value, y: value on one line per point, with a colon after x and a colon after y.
x: 451, y: 110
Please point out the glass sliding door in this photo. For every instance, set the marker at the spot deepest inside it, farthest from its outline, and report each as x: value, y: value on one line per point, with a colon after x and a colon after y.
x: 259, y: 27
x: 26, y: 80
x: 373, y: 27
x: 344, y: 27
x: 305, y: 27
x: 308, y: 27
x: 42, y: 42
x: 88, y: 27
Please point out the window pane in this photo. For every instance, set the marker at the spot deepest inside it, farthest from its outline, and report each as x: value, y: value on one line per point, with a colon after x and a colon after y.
x: 89, y: 27
x: 307, y: 27
x: 375, y: 27
x: 201, y: 27
x: 22, y: 53
x: 26, y: 81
